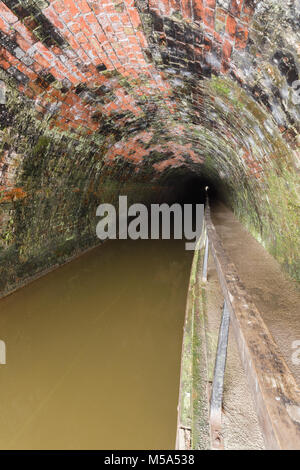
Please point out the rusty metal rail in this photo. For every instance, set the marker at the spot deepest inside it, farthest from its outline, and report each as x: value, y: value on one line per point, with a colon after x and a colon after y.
x: 273, y: 387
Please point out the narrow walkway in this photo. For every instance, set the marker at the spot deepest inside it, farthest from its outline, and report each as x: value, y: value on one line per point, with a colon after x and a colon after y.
x: 240, y: 427
x: 275, y: 295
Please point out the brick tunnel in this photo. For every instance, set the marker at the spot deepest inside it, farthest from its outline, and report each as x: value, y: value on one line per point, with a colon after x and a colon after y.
x: 145, y: 98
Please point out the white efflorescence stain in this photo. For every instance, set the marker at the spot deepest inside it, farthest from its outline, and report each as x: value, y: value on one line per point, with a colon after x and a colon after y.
x: 296, y: 353
x: 2, y: 352
x: 296, y: 92
x: 2, y: 92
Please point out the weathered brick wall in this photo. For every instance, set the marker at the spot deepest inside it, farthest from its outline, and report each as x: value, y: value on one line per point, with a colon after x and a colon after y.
x: 224, y: 24
x: 109, y: 96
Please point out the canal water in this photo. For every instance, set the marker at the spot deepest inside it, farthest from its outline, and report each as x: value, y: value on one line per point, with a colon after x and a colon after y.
x: 93, y: 351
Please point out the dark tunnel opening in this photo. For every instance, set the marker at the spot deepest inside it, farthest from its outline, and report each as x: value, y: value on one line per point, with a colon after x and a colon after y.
x: 190, y: 188
x: 187, y: 190
x: 195, y: 189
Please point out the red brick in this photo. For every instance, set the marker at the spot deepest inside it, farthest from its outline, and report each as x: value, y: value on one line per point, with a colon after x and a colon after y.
x: 29, y: 93
x: 4, y: 26
x: 218, y: 37
x: 208, y: 44
x: 44, y: 51
x: 225, y: 66
x: 37, y: 67
x: 153, y: 5
x: 36, y: 88
x: 175, y: 5
x: 236, y: 7
x: 142, y: 39
x: 227, y: 50
x: 7, y: 14
x: 27, y: 72
x: 66, y: 17
x: 91, y: 18
x: 24, y: 45
x: 231, y: 26
x: 71, y: 7
x: 41, y: 60
x: 186, y: 8
x: 83, y: 6
x: 74, y: 27
x: 58, y: 6
x: 209, y: 17
x: 198, y: 10
x: 221, y: 15
x: 241, y: 37
x: 210, y: 3
x: 4, y: 64
x: 56, y: 73
x: 10, y: 58
x: 134, y: 17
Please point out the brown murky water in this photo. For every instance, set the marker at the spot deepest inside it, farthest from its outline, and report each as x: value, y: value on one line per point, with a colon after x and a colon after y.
x: 93, y: 351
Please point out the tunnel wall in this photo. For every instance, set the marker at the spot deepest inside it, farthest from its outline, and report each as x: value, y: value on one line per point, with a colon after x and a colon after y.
x: 111, y: 97
x: 51, y: 185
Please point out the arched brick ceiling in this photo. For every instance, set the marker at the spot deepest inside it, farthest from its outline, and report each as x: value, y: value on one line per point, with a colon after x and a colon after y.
x: 88, y: 61
x: 140, y: 89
